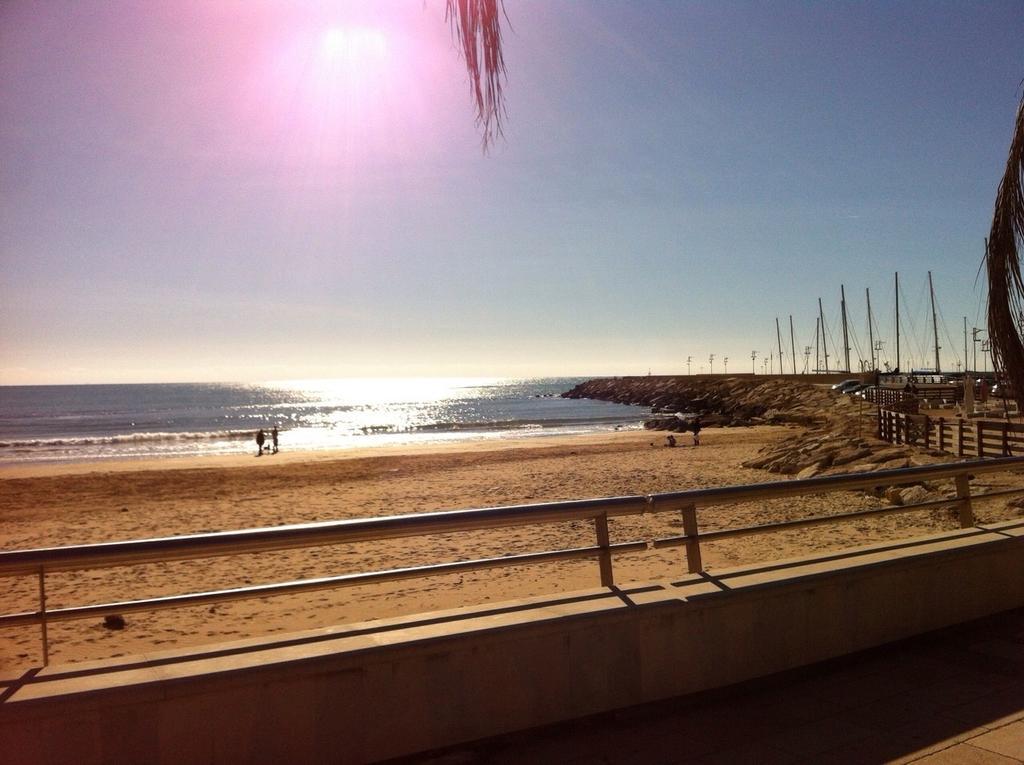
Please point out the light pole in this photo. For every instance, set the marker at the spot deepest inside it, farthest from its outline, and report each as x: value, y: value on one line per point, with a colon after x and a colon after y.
x: 725, y: 361
x: 753, y: 356
x: 688, y: 360
x: 974, y: 336
x: 711, y: 363
x: 807, y: 358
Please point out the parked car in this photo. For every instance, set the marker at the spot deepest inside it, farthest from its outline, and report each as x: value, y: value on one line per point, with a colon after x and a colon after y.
x: 845, y: 384
x: 865, y: 391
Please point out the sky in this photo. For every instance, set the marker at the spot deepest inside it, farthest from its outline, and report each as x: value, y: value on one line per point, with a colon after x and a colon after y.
x: 247, y: 191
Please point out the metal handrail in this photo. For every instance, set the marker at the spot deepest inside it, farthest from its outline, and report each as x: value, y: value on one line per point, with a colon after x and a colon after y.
x: 213, y: 544
x: 39, y: 562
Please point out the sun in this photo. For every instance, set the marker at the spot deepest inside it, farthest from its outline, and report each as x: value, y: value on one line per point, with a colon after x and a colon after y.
x: 353, y: 45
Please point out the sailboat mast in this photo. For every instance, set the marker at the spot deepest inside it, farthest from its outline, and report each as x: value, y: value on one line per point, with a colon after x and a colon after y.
x: 935, y: 322
x: 817, y: 360
x: 824, y: 344
x: 871, y: 330
x: 846, y: 337
x: 898, y: 321
x: 965, y: 345
x: 778, y: 336
x: 792, y: 343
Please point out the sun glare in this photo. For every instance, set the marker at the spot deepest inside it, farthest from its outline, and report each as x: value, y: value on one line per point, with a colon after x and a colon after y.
x: 353, y: 45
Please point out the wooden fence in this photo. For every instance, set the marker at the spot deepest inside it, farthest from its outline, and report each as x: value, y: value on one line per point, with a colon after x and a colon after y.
x: 893, y: 399
x: 963, y: 438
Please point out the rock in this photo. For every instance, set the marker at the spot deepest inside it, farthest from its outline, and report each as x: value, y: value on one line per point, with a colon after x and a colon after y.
x: 894, y: 494
x: 884, y: 455
x: 911, y: 495
x: 114, y: 622
x: 810, y: 471
x: 894, y: 464
x: 850, y: 455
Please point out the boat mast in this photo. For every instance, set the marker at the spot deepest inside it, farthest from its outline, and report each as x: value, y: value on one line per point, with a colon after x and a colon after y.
x: 792, y: 343
x: 817, y: 360
x: 846, y: 337
x: 965, y: 345
x: 898, y: 322
x: 778, y: 336
x: 824, y: 345
x: 935, y: 323
x: 871, y: 330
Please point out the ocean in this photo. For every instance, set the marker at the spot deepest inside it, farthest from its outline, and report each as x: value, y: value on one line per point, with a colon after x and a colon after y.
x: 55, y: 423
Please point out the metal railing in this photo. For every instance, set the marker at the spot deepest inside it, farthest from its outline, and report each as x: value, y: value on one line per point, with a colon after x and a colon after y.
x: 40, y: 562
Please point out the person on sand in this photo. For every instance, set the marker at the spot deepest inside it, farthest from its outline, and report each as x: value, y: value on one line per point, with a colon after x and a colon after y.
x: 273, y: 438
x: 670, y: 440
x: 695, y: 426
x: 260, y: 438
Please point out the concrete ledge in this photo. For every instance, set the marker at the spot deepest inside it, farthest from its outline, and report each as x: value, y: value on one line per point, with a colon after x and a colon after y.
x: 363, y: 692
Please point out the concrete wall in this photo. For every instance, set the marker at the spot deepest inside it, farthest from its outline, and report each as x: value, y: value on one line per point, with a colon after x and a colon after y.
x: 366, y: 692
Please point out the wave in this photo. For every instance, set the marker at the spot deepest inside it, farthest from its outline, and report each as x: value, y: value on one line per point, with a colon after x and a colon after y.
x: 555, y: 422
x: 130, y: 438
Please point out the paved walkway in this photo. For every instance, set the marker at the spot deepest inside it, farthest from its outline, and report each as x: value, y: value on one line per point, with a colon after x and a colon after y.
x: 952, y: 696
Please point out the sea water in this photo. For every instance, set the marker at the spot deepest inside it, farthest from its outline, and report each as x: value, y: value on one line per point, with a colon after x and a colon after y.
x: 85, y: 422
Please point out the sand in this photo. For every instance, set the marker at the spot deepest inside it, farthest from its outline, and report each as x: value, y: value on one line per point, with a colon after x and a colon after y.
x: 48, y: 506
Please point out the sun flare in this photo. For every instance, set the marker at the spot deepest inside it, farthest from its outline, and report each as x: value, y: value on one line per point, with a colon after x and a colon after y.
x: 353, y: 45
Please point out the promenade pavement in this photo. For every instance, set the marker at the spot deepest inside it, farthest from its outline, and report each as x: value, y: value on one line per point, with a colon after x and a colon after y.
x: 951, y: 696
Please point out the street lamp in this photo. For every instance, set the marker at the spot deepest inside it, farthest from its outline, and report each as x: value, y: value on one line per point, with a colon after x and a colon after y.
x: 753, y: 356
x: 688, y: 360
x: 725, y: 361
x: 711, y: 362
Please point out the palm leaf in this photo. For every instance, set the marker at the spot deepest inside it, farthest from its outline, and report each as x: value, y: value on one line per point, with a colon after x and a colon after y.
x: 1002, y: 261
x: 476, y: 27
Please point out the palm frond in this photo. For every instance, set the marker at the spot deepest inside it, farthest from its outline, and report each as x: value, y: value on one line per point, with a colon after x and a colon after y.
x: 476, y: 26
x: 1002, y: 261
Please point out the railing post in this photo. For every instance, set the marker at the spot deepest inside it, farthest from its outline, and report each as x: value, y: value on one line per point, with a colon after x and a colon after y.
x: 979, y: 439
x: 604, y: 558
x: 963, y: 493
x: 960, y: 438
x: 942, y: 434
x: 42, y: 616
x: 927, y: 432
x: 693, y: 561
x: 1006, y: 442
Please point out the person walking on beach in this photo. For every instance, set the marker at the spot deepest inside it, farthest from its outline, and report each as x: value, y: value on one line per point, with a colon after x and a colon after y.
x: 260, y: 438
x: 273, y: 438
x: 695, y: 427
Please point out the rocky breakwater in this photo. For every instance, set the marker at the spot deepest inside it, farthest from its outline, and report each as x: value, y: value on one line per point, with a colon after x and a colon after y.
x: 729, y: 401
x: 847, y: 446
x: 837, y: 433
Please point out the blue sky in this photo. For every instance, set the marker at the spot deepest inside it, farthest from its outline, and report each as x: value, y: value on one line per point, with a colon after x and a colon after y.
x: 211, y: 191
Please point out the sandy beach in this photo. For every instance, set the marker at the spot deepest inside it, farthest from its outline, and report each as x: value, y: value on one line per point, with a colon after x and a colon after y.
x: 102, y: 501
